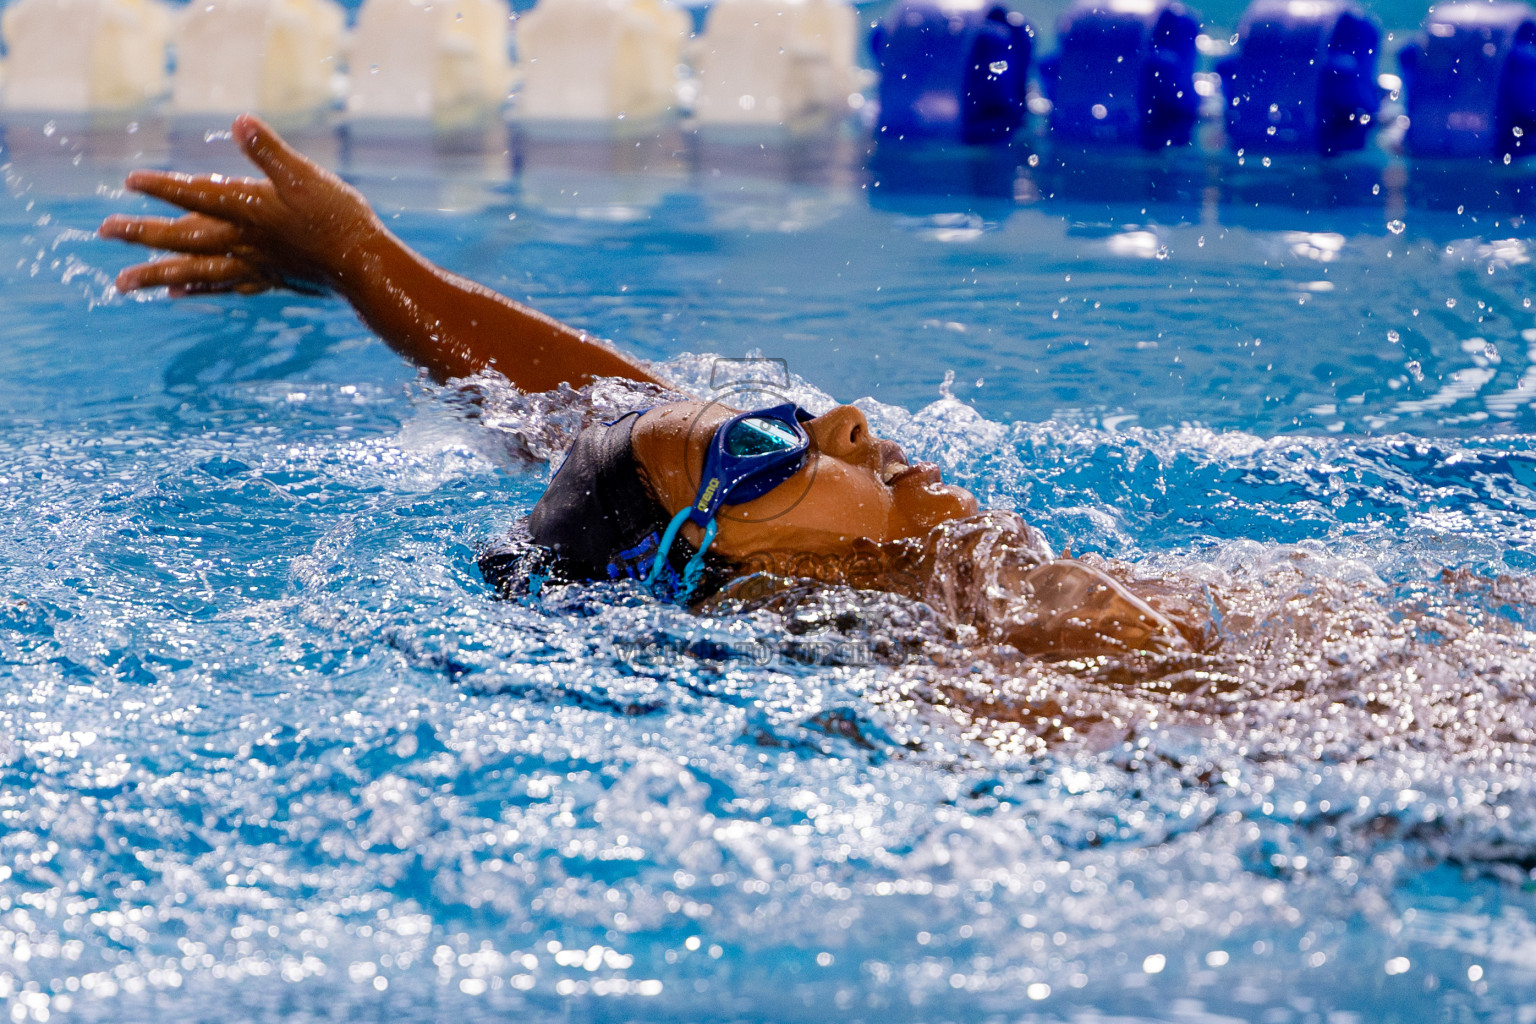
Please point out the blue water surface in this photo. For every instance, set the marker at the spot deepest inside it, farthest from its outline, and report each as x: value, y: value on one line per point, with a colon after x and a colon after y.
x: 270, y: 749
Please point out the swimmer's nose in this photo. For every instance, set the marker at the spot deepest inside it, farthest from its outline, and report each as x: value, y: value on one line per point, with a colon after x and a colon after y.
x: 841, y: 432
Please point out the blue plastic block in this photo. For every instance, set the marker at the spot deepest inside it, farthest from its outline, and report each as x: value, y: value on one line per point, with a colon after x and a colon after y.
x: 1303, y: 77
x: 1125, y: 72
x: 952, y: 71
x: 1470, y: 81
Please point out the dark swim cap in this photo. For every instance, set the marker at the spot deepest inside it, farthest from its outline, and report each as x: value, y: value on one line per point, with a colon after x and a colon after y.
x: 597, y: 513
x: 600, y: 520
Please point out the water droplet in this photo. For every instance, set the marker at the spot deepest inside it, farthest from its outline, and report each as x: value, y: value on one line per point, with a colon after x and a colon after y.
x: 1162, y: 252
x: 1200, y: 242
x: 1450, y: 303
x: 1415, y: 371
x: 1506, y: 159
x: 1395, y: 226
x: 997, y: 67
x: 1376, y: 189
x: 1034, y: 159
x: 1393, y: 336
x: 1266, y: 161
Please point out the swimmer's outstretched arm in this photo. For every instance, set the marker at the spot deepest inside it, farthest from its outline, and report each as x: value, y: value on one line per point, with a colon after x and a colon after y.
x: 302, y: 226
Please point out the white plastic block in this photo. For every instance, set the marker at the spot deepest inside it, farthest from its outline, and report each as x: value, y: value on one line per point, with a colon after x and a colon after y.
x: 275, y: 56
x: 417, y: 58
x: 599, y: 59
x: 772, y: 61
x: 68, y: 55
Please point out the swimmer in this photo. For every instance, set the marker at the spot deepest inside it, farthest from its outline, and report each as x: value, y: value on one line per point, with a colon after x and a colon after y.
x: 643, y: 497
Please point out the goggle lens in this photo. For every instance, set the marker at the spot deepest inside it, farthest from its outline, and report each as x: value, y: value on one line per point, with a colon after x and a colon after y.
x: 757, y: 435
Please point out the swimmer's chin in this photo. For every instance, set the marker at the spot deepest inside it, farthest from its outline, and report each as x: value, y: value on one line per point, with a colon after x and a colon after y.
x: 965, y: 503
x: 930, y: 499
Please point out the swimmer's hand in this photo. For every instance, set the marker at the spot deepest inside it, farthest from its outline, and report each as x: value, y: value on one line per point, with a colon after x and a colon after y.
x: 299, y: 227
x: 1076, y: 610
x: 303, y: 227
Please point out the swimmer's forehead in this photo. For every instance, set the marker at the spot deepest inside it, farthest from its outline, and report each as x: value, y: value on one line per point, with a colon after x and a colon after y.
x: 677, y: 431
x: 676, y: 421
x: 686, y: 413
x: 691, y: 423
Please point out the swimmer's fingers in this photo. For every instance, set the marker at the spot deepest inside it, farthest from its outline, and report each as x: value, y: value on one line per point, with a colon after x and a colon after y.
x: 193, y: 233
x: 233, y: 199
x: 290, y: 170
x: 184, y: 274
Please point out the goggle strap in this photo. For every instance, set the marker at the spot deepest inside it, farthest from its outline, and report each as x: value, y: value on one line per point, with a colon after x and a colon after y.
x: 702, y: 517
x: 663, y: 548
x: 694, y: 570
x: 695, y: 567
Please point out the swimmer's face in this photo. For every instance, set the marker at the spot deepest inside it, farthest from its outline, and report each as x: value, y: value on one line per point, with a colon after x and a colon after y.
x: 852, y: 486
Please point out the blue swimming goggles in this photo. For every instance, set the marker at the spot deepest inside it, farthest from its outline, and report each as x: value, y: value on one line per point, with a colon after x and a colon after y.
x: 750, y: 454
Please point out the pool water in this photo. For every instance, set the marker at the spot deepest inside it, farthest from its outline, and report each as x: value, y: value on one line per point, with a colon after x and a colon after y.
x: 272, y: 750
